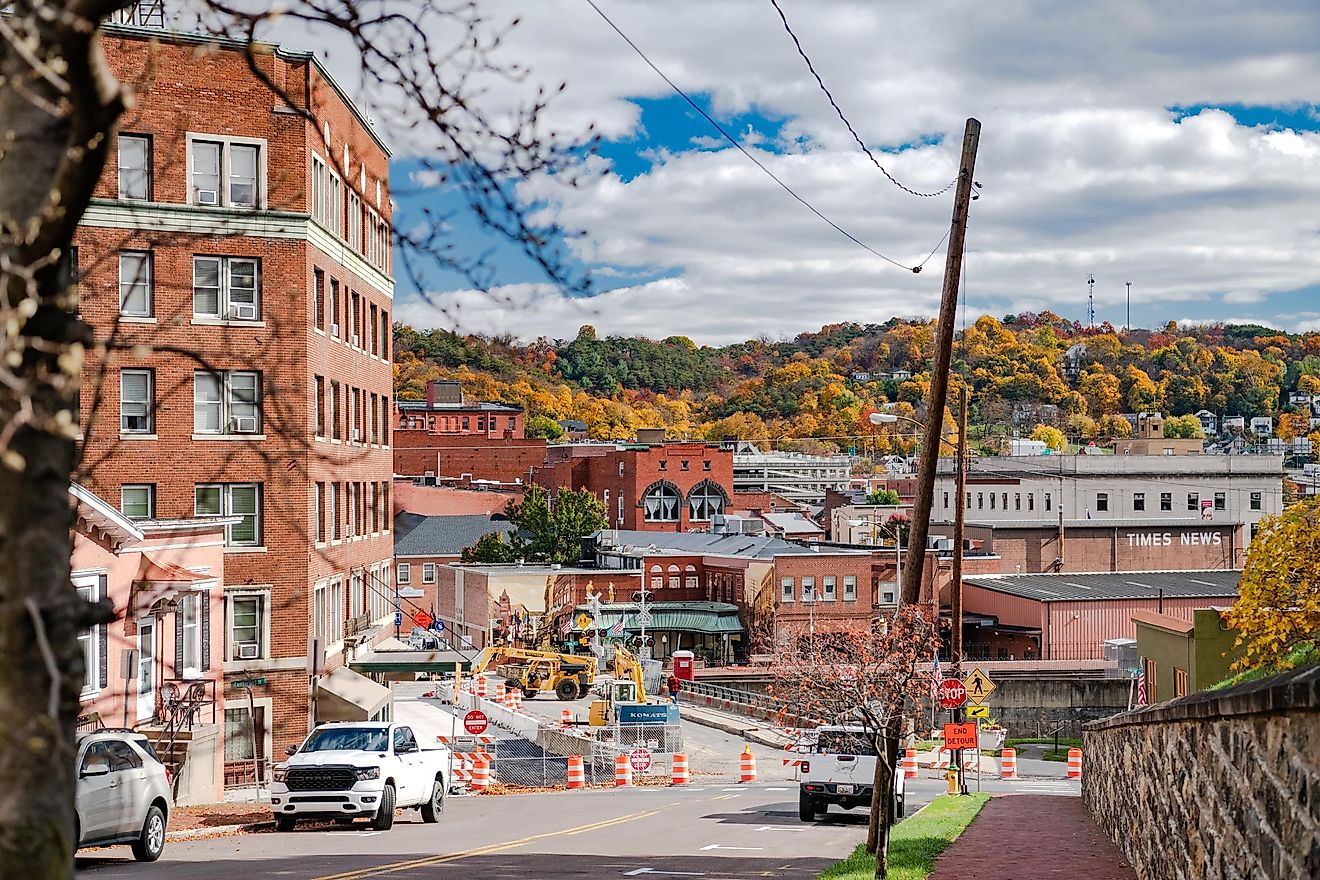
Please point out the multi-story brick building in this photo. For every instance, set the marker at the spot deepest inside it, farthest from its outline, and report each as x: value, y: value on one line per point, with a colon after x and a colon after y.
x: 466, y: 459
x: 672, y: 487
x: 238, y: 253
x: 447, y: 410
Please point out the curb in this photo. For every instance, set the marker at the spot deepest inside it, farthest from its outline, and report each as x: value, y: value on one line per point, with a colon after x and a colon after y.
x: 193, y: 833
x: 750, y: 734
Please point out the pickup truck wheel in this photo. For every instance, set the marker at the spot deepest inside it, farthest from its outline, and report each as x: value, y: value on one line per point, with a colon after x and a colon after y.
x: 567, y: 690
x: 432, y: 809
x: 384, y: 818
x: 151, y: 843
x: 285, y: 823
x: 806, y: 808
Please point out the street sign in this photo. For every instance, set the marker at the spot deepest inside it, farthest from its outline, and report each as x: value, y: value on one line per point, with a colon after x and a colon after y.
x: 978, y: 711
x: 960, y: 736
x: 398, y: 618
x: 438, y: 625
x: 583, y: 620
x: 640, y: 759
x: 979, y: 687
x: 475, y: 722
x: 249, y: 682
x: 422, y: 619
x: 644, y: 619
x: 951, y: 693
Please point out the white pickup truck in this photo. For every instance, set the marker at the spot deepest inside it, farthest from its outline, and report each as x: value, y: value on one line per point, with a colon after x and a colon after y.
x: 344, y: 771
x: 841, y: 770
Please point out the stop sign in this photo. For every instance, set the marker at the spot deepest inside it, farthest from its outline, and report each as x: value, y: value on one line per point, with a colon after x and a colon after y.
x: 640, y: 760
x: 951, y: 693
x: 475, y: 722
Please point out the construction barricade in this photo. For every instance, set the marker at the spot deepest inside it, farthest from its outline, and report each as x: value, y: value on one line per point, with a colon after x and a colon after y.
x: 747, y: 765
x: 680, y: 775
x: 577, y: 777
x: 622, y: 771
x: 1074, y: 763
x: 1008, y: 764
x: 910, y: 764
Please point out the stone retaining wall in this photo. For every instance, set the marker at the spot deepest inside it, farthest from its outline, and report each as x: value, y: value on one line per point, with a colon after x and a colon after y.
x: 1215, y: 785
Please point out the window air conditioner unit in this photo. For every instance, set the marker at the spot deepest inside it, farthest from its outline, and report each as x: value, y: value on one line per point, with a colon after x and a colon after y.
x: 245, y: 424
x: 357, y: 435
x: 356, y: 344
x: 243, y: 311
x: 208, y: 197
x: 334, y: 329
x: 249, y: 652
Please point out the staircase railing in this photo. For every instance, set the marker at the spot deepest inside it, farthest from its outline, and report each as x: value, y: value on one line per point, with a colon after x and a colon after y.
x: 183, y: 701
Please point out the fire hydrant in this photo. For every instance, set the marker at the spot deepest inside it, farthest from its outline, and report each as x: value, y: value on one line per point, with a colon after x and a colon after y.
x: 951, y: 775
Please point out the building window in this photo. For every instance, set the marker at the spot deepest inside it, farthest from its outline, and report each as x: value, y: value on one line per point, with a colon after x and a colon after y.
x: 405, y: 573
x: 887, y: 594
x: 786, y: 586
x: 663, y: 465
x: 189, y: 621
x: 1166, y: 501
x: 1003, y: 501
x: 1193, y: 501
x: 428, y: 572
x: 334, y: 512
x: 1138, y: 500
x: 226, y: 403
x: 706, y: 501
x: 247, y: 626
x: 242, y: 500
x: 980, y: 500
x: 226, y: 287
x: 91, y: 639
x: 809, y: 589
x: 992, y: 500
x: 318, y: 299
x: 1151, y: 669
x: 1255, y: 527
x: 137, y: 401
x: 683, y: 465
x: 1221, y: 501
x: 1255, y: 500
x: 849, y: 588
x: 1049, y: 504
x: 661, y: 502
x: 334, y: 308
x: 946, y: 500
x: 134, y: 167
x: 690, y: 580
x: 1031, y: 501
x: 318, y: 512
x: 135, y: 298
x: 1179, y: 682
x: 1017, y: 500
x: 969, y: 500
x: 225, y: 174
x: 827, y: 588
x: 318, y: 384
x: 138, y: 500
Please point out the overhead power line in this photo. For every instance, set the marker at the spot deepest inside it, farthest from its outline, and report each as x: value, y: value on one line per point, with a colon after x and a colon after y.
x: 759, y: 164
x: 839, y: 110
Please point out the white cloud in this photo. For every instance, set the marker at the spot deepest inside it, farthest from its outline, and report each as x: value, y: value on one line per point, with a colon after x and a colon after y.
x: 1085, y: 169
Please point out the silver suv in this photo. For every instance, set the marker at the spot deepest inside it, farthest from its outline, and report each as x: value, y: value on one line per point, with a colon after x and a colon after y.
x: 123, y: 793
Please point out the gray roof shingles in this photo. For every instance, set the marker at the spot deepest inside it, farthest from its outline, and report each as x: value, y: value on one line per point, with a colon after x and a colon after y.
x: 443, y: 535
x: 1114, y: 585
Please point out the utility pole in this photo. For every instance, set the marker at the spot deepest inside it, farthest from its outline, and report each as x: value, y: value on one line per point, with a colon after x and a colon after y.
x: 1090, y: 300
x: 1128, y: 325
x: 939, y: 380
x: 956, y: 591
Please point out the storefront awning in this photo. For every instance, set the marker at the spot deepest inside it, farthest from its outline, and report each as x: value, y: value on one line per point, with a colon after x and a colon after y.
x: 409, y: 661
x: 344, y: 695
x: 158, y: 580
x: 709, y: 618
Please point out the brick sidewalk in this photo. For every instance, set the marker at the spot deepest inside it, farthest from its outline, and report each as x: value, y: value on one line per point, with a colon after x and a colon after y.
x: 1033, y: 837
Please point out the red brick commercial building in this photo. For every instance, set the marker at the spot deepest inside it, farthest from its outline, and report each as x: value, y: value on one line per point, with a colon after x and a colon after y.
x: 466, y: 459
x: 1071, y: 616
x: 671, y: 487
x: 246, y: 250
x: 448, y: 411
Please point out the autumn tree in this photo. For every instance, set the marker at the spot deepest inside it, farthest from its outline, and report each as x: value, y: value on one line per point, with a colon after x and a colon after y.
x: 1051, y: 436
x: 1278, y: 608
x: 866, y: 676
x: 1183, y: 427
x: 885, y: 497
x: 491, y: 548
x: 551, y: 529
x: 1292, y: 425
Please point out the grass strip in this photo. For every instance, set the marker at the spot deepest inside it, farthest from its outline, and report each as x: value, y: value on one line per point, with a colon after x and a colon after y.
x: 915, y: 843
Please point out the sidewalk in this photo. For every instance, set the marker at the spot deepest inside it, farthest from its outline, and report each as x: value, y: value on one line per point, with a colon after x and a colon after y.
x: 1033, y: 836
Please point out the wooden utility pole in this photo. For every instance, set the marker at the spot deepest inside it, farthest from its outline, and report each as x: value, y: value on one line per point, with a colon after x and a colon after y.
x: 956, y: 590
x: 939, y: 380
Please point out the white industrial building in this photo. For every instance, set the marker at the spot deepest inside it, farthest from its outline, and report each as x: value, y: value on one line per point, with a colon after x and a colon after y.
x: 797, y: 477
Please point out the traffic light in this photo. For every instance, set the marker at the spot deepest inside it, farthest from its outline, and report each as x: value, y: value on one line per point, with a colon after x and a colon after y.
x: 641, y: 595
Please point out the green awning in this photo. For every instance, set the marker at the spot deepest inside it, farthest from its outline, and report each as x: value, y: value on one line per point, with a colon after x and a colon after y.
x: 710, y: 618
x: 410, y: 661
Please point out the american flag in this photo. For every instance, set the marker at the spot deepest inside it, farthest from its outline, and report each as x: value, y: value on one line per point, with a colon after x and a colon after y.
x: 617, y: 629
x: 1141, y: 684
x: 567, y: 627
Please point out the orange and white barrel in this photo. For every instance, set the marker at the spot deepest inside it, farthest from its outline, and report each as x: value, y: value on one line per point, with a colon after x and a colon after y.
x: 1008, y: 764
x: 480, y: 773
x: 481, y: 686
x: 517, y: 699
x: 680, y: 776
x: 577, y: 777
x: 622, y: 771
x: 910, y: 764
x: 565, y: 717
x: 747, y: 765
x: 1074, y: 763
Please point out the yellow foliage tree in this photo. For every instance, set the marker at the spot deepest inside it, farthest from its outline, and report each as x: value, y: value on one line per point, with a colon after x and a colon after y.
x: 1052, y: 437
x: 1278, y: 606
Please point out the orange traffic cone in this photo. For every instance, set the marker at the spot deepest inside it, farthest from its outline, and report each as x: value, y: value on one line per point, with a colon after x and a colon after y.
x: 622, y: 771
x: 577, y: 778
x: 910, y: 764
x: 748, y: 767
x: 680, y: 769
x: 1008, y: 764
x: 1074, y: 763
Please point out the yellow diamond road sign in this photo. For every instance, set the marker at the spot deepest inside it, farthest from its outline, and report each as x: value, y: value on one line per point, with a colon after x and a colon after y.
x: 583, y: 620
x: 978, y: 711
x: 979, y: 687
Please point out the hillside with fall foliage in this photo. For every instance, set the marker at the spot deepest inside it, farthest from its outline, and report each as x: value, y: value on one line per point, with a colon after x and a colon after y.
x: 814, y: 392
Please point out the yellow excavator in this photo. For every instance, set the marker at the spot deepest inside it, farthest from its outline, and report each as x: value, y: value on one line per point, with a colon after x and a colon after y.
x: 569, y: 675
x: 626, y: 688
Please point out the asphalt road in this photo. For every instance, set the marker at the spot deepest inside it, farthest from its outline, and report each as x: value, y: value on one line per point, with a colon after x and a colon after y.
x: 721, y: 832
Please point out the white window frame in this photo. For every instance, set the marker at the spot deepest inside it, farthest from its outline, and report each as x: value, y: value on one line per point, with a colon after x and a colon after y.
x: 850, y: 588
x: 334, y: 601
x: 787, y: 586
x: 135, y: 281
x: 828, y: 592
x: 149, y: 402
x: 226, y: 307
x: 150, y: 499
x: 227, y: 143
x: 231, y: 415
x: 809, y: 589
x: 263, y: 624
x: 226, y: 498
x: 405, y: 573
x: 319, y: 617
x: 355, y: 221
x: 145, y: 141
x: 89, y: 589
x: 189, y: 620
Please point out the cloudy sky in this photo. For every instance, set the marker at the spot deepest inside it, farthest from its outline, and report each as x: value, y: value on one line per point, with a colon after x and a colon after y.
x: 1173, y: 145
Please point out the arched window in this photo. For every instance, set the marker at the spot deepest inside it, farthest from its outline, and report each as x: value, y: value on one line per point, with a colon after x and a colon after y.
x: 690, y: 577
x: 660, y: 502
x: 706, y: 501
x: 657, y: 577
x: 673, y: 577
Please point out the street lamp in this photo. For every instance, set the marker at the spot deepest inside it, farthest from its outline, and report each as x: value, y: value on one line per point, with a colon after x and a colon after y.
x: 809, y: 597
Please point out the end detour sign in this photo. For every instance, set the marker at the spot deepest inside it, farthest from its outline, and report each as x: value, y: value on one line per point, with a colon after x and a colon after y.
x: 960, y: 736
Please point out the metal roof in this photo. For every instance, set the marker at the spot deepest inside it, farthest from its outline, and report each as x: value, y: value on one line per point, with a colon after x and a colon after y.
x: 697, y: 543
x: 477, y: 406
x: 713, y: 618
x: 1109, y: 522
x: 443, y: 535
x: 1215, y: 583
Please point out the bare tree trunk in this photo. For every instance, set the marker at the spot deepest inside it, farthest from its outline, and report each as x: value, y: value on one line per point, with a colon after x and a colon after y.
x: 58, y: 106
x: 882, y: 795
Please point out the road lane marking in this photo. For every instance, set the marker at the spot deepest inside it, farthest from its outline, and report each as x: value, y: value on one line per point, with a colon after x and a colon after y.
x: 641, y: 871
x: 711, y: 846
x: 776, y: 789
x: 488, y: 849
x: 724, y: 797
x: 778, y: 828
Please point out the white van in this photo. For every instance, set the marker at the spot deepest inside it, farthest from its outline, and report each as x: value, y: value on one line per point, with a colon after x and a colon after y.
x: 840, y: 769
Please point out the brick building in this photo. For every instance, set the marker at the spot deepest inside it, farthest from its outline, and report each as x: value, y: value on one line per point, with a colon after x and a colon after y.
x: 247, y: 251
x: 447, y: 410
x: 673, y: 487
x: 466, y: 459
